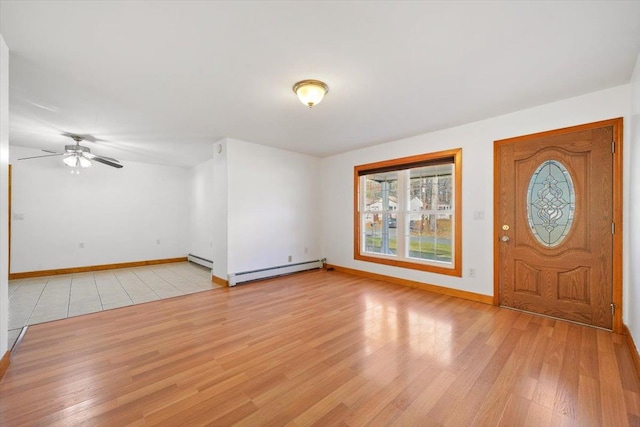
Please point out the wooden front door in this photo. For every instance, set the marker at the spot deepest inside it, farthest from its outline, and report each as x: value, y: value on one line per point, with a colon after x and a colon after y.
x: 555, y: 222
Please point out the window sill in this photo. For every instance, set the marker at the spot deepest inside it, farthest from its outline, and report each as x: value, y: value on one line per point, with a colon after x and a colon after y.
x: 455, y: 271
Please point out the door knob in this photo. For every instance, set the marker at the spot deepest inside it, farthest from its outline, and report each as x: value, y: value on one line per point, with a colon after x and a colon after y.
x: 505, y: 238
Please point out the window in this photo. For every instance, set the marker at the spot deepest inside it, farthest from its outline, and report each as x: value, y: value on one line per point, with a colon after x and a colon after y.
x: 407, y: 212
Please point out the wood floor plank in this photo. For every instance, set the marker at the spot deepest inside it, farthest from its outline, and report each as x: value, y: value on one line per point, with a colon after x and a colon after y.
x: 567, y: 391
x: 418, y: 412
x: 318, y: 348
x: 589, y: 413
x: 400, y: 393
x: 589, y: 366
x: 611, y: 391
x: 632, y: 403
x: 626, y: 367
x: 538, y: 416
x: 515, y: 411
x: 326, y: 406
x: 443, y: 407
x: 467, y: 406
x: 493, y: 407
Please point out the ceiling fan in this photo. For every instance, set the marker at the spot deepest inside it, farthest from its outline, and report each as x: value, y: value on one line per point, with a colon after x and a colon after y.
x: 77, y: 156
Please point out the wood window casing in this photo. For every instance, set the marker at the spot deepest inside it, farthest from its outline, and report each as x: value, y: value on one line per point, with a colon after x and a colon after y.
x: 453, y: 156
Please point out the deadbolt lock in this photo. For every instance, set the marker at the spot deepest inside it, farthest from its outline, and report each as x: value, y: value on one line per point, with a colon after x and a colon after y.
x: 505, y: 227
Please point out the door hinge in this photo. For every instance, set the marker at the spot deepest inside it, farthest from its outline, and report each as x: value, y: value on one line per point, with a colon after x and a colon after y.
x: 613, y: 309
x: 613, y: 146
x: 613, y: 228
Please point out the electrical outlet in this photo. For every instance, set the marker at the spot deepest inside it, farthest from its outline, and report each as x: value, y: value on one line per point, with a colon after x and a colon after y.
x: 157, y: 241
x: 472, y: 272
x: 290, y: 258
x: 306, y: 250
x: 81, y: 245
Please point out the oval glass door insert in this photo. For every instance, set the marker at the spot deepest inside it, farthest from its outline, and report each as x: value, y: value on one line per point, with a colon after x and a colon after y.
x: 551, y: 203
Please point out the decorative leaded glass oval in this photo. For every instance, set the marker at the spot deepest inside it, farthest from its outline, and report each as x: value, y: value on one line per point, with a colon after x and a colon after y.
x: 551, y: 202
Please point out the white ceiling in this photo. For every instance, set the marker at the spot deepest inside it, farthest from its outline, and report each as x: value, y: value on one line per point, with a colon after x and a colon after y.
x: 160, y: 81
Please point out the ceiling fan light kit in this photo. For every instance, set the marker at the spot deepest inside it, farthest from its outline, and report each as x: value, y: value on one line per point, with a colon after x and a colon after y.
x: 77, y: 156
x: 74, y: 161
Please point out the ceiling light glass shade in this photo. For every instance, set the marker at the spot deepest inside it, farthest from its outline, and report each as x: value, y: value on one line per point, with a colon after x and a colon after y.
x: 71, y: 161
x: 310, y: 92
x: 84, y: 162
x: 76, y: 160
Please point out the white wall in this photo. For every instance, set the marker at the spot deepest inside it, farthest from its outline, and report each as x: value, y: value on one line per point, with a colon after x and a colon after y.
x: 632, y: 297
x: 220, y: 209
x: 273, y: 207
x: 4, y: 217
x: 201, y: 206
x: 476, y: 140
x: 119, y: 214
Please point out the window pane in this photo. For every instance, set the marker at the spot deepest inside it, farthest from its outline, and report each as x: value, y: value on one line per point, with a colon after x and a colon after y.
x: 431, y: 188
x: 444, y: 237
x: 430, y: 237
x: 380, y: 233
x: 381, y: 192
x: 420, y: 238
x: 373, y: 193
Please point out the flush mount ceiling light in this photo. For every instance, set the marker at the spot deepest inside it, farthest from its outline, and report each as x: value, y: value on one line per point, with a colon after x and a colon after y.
x: 310, y: 92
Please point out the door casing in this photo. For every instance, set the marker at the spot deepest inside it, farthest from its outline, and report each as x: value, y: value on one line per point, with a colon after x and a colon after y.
x: 617, y: 125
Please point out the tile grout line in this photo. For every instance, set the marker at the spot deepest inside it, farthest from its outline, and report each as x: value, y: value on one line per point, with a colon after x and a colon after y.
x: 69, y: 299
x: 98, y: 291
x: 156, y: 274
x: 16, y: 289
x: 37, y: 301
x: 95, y: 283
x: 123, y: 288
x: 177, y: 271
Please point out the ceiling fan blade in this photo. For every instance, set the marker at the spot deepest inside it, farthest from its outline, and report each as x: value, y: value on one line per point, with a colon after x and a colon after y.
x: 52, y: 152
x: 94, y: 156
x: 37, y: 157
x: 106, y: 162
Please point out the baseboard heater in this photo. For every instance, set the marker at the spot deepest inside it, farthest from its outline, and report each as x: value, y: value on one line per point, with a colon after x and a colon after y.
x: 199, y: 260
x: 247, y: 276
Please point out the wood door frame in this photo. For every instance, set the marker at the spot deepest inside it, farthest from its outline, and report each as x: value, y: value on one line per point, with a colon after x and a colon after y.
x: 617, y: 125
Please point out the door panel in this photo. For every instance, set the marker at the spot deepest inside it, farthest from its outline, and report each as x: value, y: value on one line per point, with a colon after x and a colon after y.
x: 554, y: 215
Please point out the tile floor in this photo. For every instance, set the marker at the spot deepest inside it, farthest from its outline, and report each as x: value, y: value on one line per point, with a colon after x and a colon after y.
x: 42, y: 299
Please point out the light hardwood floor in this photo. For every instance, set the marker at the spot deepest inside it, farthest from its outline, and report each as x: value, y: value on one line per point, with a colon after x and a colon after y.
x: 318, y: 348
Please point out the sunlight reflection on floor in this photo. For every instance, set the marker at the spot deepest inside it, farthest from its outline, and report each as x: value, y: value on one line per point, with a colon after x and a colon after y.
x: 425, y: 335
